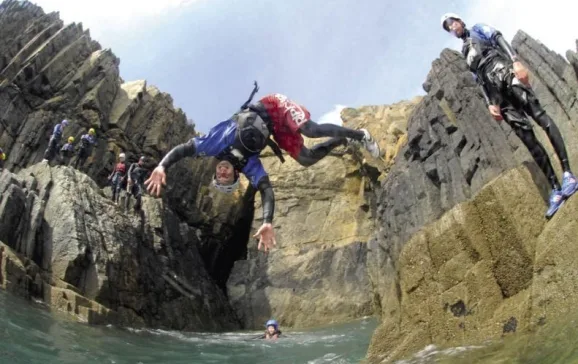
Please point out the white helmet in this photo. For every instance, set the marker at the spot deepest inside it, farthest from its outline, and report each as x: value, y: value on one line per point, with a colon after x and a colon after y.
x: 447, y: 16
x: 121, y: 156
x: 226, y: 188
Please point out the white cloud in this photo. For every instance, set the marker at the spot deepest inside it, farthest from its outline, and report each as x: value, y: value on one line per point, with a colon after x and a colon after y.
x: 333, y: 116
x: 553, y: 23
x: 105, y: 15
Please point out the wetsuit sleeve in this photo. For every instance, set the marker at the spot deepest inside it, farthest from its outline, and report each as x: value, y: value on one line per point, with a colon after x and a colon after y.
x: 129, y: 174
x: 258, y: 177
x: 483, y: 89
x: 267, y: 199
x: 505, y: 46
x: 179, y: 152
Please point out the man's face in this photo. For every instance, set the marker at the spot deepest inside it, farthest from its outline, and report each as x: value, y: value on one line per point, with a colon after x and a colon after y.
x: 455, y: 26
x: 225, y: 173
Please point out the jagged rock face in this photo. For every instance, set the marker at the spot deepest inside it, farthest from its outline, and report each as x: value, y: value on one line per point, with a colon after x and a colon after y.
x: 386, y: 123
x: 133, y: 270
x: 50, y: 71
x: 463, y: 278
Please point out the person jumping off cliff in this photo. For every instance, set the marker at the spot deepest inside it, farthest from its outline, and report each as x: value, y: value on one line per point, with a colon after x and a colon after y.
x: 87, y: 141
x: 54, y: 141
x: 237, y: 142
x: 118, y: 177
x: 504, y: 83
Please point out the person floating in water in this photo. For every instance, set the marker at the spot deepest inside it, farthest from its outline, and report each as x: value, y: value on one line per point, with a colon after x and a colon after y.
x: 272, y: 331
x: 508, y: 95
x: 237, y: 142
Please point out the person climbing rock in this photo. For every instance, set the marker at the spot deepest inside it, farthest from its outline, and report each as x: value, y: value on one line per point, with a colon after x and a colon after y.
x: 503, y: 80
x: 237, y: 142
x: 87, y: 141
x: 54, y: 141
x: 118, y: 177
x: 67, y: 151
x: 272, y: 331
x: 2, y: 159
x: 137, y: 174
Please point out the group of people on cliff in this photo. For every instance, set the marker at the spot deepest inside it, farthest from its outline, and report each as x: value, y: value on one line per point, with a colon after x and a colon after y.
x: 63, y: 153
x: 280, y: 123
x: 130, y: 179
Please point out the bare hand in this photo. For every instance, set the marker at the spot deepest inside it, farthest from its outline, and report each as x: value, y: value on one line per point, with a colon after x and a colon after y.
x: 155, y: 182
x: 266, y: 236
x: 496, y: 112
x: 521, y: 72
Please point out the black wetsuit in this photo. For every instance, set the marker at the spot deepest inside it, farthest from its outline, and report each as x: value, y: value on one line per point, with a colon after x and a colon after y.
x: 52, y: 148
x: 264, y: 184
x: 490, y: 58
x: 137, y: 173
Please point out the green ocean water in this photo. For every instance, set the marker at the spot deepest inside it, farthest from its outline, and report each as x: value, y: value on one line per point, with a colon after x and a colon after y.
x: 29, y: 333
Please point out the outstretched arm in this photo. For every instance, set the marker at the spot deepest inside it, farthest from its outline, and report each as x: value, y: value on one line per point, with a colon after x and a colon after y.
x: 179, y: 152
x: 505, y: 46
x: 258, y: 177
x: 158, y: 177
x: 267, y: 199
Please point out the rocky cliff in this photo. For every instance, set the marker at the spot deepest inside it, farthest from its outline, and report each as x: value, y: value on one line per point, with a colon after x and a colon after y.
x: 50, y: 71
x: 463, y: 253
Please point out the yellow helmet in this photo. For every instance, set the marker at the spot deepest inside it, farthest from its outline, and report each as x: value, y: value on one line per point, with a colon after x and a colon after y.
x: 91, y: 131
x: 71, y: 139
x: 3, y: 155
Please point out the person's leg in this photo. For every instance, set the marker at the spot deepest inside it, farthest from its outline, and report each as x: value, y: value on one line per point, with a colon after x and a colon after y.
x: 532, y: 107
x: 49, y: 152
x: 138, y: 197
x: 313, y: 130
x: 523, y: 130
x: 307, y: 157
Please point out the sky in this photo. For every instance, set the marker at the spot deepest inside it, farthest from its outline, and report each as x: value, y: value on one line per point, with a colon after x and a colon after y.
x: 324, y: 54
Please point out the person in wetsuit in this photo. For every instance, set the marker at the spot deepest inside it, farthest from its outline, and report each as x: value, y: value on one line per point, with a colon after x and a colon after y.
x: 272, y: 331
x: 54, y: 141
x: 507, y: 92
x: 136, y: 174
x: 87, y: 141
x: 118, y: 177
x: 2, y: 159
x: 236, y: 143
x: 67, y: 151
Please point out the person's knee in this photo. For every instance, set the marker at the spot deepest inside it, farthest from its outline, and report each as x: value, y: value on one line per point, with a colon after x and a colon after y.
x: 305, y: 158
x: 309, y: 129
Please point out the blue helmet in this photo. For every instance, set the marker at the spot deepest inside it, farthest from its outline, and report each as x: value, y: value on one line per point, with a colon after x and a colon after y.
x: 272, y: 323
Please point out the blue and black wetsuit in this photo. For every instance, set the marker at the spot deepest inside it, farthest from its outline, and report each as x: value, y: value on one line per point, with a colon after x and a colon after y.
x: 223, y: 143
x: 87, y: 142
x: 53, y: 143
x: 490, y: 59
